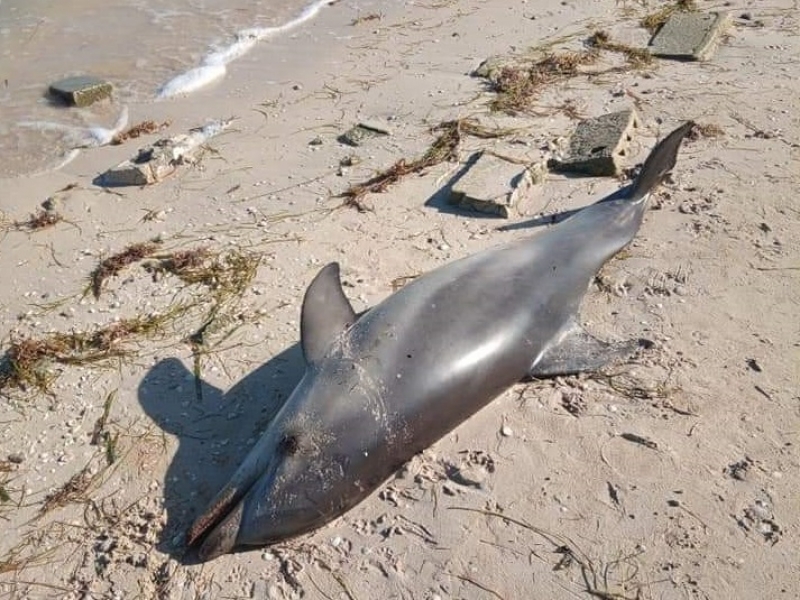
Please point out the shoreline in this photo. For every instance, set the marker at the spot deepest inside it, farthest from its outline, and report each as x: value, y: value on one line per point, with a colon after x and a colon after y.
x: 33, y: 122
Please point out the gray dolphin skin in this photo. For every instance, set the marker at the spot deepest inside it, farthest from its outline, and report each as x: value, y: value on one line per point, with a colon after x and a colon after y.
x: 382, y: 386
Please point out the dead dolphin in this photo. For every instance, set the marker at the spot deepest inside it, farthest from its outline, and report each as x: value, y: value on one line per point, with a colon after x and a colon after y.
x: 381, y: 386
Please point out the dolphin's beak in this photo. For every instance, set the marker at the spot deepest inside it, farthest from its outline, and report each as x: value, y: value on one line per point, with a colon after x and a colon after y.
x: 216, y: 530
x: 222, y: 538
x: 218, y: 526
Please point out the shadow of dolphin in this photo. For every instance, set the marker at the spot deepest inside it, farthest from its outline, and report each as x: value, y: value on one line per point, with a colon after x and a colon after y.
x: 215, y: 430
x: 552, y: 219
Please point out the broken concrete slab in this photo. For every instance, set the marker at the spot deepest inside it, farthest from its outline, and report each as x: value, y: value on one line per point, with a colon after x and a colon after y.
x: 155, y: 163
x: 150, y: 165
x: 597, y: 144
x: 365, y: 130
x: 690, y: 35
x: 81, y: 90
x: 491, y: 185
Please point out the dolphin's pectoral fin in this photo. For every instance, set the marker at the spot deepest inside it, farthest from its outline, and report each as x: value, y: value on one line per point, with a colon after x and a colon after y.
x: 326, y: 313
x: 578, y: 351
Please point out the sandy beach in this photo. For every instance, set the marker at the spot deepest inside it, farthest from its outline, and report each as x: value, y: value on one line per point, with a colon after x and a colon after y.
x: 674, y: 476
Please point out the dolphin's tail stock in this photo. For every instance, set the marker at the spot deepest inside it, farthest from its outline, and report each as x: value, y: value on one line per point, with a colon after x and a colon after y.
x: 659, y: 162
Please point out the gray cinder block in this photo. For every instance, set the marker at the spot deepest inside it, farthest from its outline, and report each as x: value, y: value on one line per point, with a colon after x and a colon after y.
x: 598, y: 143
x: 690, y: 35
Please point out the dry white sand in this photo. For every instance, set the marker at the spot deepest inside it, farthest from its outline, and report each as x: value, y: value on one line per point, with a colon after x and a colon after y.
x: 707, y: 509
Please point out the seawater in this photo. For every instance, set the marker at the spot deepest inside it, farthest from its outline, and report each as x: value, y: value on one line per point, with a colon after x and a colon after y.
x: 148, y: 49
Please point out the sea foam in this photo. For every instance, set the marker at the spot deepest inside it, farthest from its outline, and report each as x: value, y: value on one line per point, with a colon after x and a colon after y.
x: 82, y: 137
x: 214, y: 65
x: 76, y: 138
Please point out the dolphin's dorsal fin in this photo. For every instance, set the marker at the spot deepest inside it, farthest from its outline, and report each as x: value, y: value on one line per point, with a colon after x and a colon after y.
x: 578, y: 351
x: 326, y: 313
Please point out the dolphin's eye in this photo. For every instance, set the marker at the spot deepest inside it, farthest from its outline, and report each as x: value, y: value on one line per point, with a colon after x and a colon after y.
x: 289, y: 445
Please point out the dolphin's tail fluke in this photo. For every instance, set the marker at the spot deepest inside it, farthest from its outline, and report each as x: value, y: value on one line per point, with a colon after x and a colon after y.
x: 659, y: 162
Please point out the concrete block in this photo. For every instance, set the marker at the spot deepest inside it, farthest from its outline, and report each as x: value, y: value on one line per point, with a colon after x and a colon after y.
x: 82, y: 90
x: 597, y: 144
x: 690, y: 35
x: 151, y: 165
x: 491, y: 185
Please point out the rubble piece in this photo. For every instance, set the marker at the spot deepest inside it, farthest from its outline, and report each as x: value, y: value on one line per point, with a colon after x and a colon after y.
x: 81, y: 90
x: 597, y: 144
x: 155, y: 163
x: 364, y: 131
x: 690, y: 35
x: 538, y: 172
x: 492, y: 67
x: 492, y: 185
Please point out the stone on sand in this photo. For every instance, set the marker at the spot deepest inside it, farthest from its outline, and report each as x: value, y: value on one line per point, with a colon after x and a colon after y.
x: 365, y: 130
x: 598, y: 143
x: 81, y: 90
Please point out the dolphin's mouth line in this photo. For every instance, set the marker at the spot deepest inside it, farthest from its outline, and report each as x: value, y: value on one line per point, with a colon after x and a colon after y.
x: 228, y: 500
x: 209, y: 519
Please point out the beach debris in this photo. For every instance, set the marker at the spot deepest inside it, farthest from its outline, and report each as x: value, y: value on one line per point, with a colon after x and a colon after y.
x: 28, y: 362
x: 366, y: 18
x: 45, y: 217
x: 493, y: 66
x: 707, y: 130
x: 597, y: 144
x: 158, y: 161
x: 690, y: 35
x: 41, y: 220
x: 492, y: 185
x: 653, y: 21
x: 753, y: 364
x: 518, y: 81
x: 113, y: 265
x: 639, y: 439
x: 222, y: 278
x: 573, y: 402
x: 613, y: 493
x: 81, y: 90
x: 444, y: 148
x: 636, y: 57
x: 759, y: 518
x: 225, y: 274
x: 364, y: 131
x: 138, y: 130
x: 739, y: 469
